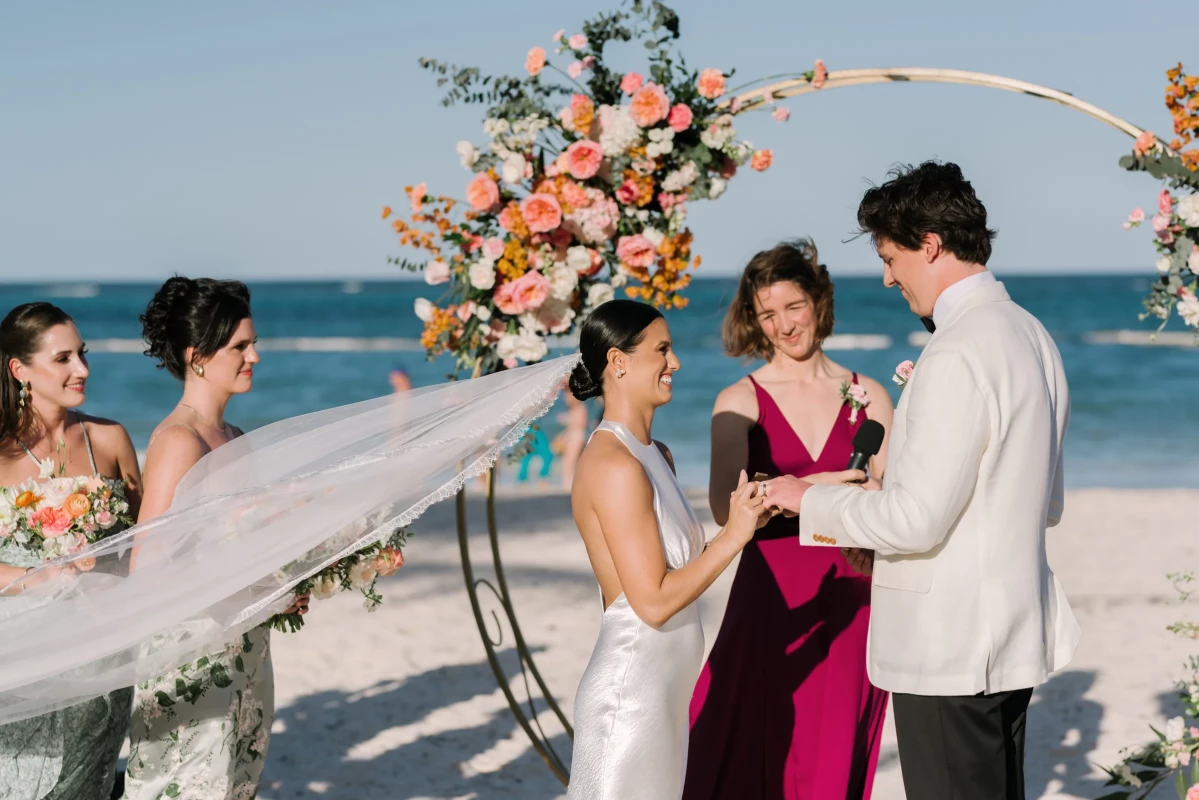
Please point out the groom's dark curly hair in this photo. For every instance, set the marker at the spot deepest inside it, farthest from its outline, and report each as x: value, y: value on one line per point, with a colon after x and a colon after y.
x: 930, y: 198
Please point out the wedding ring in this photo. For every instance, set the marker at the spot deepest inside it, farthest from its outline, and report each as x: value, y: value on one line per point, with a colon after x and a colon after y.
x: 762, y: 486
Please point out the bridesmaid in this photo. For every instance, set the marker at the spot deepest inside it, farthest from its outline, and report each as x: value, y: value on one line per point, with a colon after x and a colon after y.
x: 210, y: 739
x: 69, y: 754
x: 784, y: 708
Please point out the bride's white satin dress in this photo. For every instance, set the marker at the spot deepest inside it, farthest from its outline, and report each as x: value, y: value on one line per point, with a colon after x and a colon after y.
x: 631, y: 710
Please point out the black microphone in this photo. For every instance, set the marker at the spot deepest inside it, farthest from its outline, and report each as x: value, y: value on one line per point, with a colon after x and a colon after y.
x: 866, y: 443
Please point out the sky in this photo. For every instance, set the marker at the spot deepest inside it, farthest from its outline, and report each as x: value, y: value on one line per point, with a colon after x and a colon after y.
x: 260, y: 140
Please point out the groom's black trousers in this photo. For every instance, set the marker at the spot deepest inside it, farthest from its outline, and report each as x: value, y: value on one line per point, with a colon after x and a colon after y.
x: 962, y: 748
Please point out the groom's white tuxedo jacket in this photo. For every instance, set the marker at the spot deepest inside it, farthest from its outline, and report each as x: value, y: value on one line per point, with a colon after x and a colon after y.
x: 963, y: 599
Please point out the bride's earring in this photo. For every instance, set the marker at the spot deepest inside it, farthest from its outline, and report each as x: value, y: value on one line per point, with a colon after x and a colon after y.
x: 619, y: 372
x: 199, y: 370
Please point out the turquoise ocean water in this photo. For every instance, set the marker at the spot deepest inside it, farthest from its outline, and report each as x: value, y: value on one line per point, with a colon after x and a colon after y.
x: 328, y: 344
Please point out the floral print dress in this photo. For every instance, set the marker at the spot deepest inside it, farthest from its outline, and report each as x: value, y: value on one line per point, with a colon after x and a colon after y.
x: 201, y: 731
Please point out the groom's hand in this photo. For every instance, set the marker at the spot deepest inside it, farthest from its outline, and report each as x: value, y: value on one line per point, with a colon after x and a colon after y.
x: 786, y: 493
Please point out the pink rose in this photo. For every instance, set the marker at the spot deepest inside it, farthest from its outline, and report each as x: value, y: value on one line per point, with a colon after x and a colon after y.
x: 1165, y: 203
x: 53, y: 521
x: 526, y: 293
x: 762, y: 159
x: 511, y: 363
x: 903, y: 372
x: 552, y: 170
x: 768, y: 97
x: 628, y: 192
x: 493, y: 248
x: 820, y: 75
x: 588, y: 62
x: 535, y: 60
x: 635, y: 251
x: 437, y: 272
x: 680, y: 117
x: 466, y: 310
x: 575, y: 70
x: 583, y: 159
x: 482, y: 192
x: 649, y: 105
x: 711, y: 83
x: 574, y: 195
x: 781, y: 114
x: 1193, y: 792
x: 857, y: 393
x: 558, y: 36
x: 1161, y: 226
x: 631, y: 83
x: 417, y: 198
x: 541, y: 212
x: 1144, y: 143
x: 1137, y: 216
x: 577, y: 42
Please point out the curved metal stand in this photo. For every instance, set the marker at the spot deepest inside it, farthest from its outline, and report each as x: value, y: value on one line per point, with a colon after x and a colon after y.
x: 526, y: 714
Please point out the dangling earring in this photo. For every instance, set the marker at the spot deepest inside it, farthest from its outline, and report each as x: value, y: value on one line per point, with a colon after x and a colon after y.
x: 199, y: 370
x: 619, y: 372
x: 24, y: 394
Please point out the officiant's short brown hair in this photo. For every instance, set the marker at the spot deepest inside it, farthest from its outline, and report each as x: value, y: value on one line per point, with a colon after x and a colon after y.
x: 795, y: 262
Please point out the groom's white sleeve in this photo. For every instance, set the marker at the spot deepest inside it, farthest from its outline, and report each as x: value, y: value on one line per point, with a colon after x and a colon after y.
x: 931, y: 480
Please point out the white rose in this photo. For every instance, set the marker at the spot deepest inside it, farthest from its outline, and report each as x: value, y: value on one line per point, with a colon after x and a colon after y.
x: 467, y: 154
x: 620, y: 279
x: 599, y: 293
x: 1193, y: 261
x: 643, y: 215
x: 563, y: 280
x: 514, y: 168
x: 578, y: 258
x: 1188, y: 210
x: 1163, y: 264
x: 483, y: 313
x: 655, y: 236
x: 55, y: 491
x: 717, y: 187
x: 530, y: 321
x: 482, y: 275
x: 1188, y: 309
x: 324, y: 587
x: 530, y: 347
x: 363, y: 574
x: 505, y: 348
x: 423, y: 309
x: 681, y: 178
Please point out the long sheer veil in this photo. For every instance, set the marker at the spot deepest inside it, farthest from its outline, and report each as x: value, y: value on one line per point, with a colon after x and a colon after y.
x: 248, y: 522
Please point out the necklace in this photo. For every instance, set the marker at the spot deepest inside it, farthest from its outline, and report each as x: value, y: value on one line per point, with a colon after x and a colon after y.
x: 222, y: 428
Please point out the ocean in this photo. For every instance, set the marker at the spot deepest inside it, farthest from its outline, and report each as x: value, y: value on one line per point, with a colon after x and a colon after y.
x: 330, y: 344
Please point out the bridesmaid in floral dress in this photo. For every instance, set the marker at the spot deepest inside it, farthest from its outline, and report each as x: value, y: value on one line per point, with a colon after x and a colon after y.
x: 203, y: 729
x: 69, y: 754
x: 783, y: 709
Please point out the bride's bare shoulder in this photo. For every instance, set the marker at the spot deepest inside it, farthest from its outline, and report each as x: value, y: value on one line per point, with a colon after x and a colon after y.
x: 606, y: 465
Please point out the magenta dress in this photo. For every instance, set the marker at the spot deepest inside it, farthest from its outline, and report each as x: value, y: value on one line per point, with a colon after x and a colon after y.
x: 783, y: 709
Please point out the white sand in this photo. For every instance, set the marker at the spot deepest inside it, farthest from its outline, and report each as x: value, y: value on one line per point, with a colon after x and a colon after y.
x: 402, y: 703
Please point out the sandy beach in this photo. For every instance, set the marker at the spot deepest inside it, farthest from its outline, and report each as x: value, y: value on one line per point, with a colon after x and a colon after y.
x: 402, y: 703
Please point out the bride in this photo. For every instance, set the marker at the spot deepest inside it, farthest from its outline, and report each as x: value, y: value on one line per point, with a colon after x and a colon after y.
x: 648, y: 553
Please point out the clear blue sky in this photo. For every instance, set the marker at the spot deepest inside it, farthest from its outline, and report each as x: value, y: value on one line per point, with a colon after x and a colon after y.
x: 259, y: 140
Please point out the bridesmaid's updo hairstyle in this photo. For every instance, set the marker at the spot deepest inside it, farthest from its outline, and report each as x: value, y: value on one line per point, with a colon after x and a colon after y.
x: 796, y: 262
x: 199, y: 313
x: 20, y: 337
x: 616, y: 323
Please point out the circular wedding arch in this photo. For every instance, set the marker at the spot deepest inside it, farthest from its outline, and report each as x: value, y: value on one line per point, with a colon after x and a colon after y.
x: 525, y: 712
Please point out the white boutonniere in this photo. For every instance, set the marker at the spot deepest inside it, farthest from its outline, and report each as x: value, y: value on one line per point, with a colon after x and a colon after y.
x: 854, y: 395
x: 903, y: 373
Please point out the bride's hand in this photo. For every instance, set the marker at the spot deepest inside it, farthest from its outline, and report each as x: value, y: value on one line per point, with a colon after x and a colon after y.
x: 746, y: 508
x: 299, y: 605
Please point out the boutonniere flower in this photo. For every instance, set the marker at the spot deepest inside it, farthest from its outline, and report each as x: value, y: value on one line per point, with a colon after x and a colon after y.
x: 854, y: 395
x: 903, y: 373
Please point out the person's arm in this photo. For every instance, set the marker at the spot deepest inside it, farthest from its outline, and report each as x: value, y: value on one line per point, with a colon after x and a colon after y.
x: 630, y: 531
x: 733, y: 417
x: 175, y: 450
x: 930, y: 482
x: 128, y: 469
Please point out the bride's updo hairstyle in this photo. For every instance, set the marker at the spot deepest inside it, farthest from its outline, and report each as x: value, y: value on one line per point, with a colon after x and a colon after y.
x: 616, y: 323
x: 199, y: 313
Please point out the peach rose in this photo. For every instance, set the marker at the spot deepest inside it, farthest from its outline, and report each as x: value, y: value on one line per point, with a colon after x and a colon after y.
x: 575, y: 195
x: 631, y: 83
x: 680, y: 117
x: 583, y: 159
x: 526, y: 293
x: 820, y: 75
x: 649, y: 105
x: 482, y: 192
x: 535, y: 60
x: 762, y: 160
x: 417, y: 197
x: 541, y: 212
x: 493, y: 248
x: 388, y: 561
x: 84, y: 564
x: 711, y: 83
x: 77, y: 505
x: 635, y: 251
x: 53, y: 521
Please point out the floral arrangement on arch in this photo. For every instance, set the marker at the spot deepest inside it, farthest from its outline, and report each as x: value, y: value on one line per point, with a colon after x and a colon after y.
x: 1173, y: 756
x: 582, y: 188
x: 1176, y: 221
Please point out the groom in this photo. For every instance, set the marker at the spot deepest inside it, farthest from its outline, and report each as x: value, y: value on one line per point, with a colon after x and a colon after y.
x: 966, y: 615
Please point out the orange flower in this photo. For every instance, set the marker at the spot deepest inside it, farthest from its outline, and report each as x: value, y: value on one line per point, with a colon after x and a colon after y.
x: 386, y: 212
x: 26, y: 499
x: 541, y: 212
x: 582, y: 113
x: 650, y: 105
x: 417, y: 197
x: 535, y: 60
x: 711, y: 83
x: 762, y: 160
x: 482, y: 192
x: 76, y: 505
x: 388, y: 561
